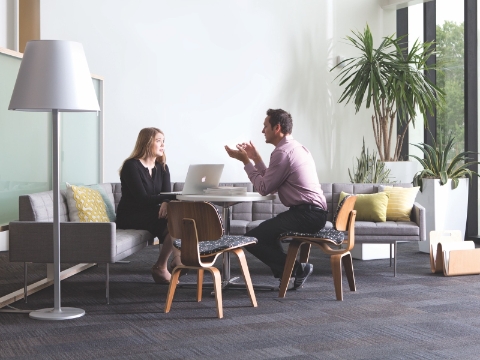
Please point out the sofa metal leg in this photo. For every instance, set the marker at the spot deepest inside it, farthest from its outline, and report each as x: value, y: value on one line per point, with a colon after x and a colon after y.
x: 107, y: 284
x: 25, y: 275
x: 395, y: 259
x: 390, y: 246
x: 122, y: 262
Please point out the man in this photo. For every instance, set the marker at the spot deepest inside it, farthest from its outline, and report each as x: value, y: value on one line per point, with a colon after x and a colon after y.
x: 293, y: 175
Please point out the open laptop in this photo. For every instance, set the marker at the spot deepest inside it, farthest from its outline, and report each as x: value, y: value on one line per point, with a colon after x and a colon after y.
x: 200, y: 177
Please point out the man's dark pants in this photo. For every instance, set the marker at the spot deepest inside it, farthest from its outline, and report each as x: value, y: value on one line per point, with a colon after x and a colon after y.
x: 269, y: 250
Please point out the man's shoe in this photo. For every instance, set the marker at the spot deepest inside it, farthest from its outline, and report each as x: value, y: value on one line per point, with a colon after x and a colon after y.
x: 302, y: 276
x: 289, y: 286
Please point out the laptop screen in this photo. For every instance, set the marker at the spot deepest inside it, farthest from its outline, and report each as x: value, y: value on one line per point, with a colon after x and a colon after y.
x: 200, y: 177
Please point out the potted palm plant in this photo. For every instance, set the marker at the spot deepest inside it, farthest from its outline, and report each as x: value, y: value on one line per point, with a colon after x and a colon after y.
x: 391, y: 79
x: 443, y: 187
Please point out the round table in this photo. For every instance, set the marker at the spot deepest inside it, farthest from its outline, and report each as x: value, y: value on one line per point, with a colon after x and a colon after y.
x: 226, y: 201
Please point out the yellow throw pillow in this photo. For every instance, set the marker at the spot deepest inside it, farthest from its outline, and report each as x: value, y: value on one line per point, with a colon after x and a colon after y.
x: 85, y: 205
x: 400, y: 202
x: 370, y: 207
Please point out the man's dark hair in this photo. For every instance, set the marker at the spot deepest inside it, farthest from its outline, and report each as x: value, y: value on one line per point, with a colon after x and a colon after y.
x: 279, y: 116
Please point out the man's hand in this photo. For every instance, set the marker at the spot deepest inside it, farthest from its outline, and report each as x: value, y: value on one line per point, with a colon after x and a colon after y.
x: 251, y: 151
x: 239, y: 154
x: 162, y: 213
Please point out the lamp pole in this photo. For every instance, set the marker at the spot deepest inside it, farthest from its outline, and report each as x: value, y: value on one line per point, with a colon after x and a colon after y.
x: 57, y: 313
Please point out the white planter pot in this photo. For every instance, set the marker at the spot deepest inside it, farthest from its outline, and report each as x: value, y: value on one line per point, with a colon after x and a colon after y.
x: 4, y: 240
x: 445, y: 209
x: 402, y: 171
x: 371, y: 251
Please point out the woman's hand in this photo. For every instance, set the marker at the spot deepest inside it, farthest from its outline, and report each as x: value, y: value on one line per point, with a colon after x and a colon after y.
x: 162, y: 213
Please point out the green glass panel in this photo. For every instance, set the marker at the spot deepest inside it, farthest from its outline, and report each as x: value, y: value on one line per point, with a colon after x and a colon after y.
x: 25, y: 150
x: 80, y: 144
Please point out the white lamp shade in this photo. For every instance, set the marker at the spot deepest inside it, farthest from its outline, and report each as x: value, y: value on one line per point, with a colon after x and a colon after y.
x: 54, y: 75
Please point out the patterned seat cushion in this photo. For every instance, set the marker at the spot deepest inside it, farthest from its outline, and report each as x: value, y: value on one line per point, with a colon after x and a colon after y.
x: 215, y: 246
x: 333, y: 235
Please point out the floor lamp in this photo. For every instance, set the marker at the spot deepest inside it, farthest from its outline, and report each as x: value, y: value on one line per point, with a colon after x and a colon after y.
x: 54, y: 77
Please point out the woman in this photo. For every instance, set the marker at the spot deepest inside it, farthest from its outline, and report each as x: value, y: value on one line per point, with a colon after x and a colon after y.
x: 144, y: 174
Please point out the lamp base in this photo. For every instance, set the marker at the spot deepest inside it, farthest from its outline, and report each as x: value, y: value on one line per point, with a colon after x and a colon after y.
x: 66, y: 313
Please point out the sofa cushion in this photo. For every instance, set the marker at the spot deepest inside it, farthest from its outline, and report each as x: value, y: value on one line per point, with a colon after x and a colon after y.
x: 238, y: 227
x: 116, y: 194
x: 327, y: 189
x: 262, y: 210
x: 85, y: 204
x: 253, y: 224
x: 39, y: 207
x: 127, y: 239
x: 107, y: 200
x: 400, y: 202
x: 370, y: 207
x: 390, y: 228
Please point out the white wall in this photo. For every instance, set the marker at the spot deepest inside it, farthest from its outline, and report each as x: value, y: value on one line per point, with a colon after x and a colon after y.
x: 205, y: 72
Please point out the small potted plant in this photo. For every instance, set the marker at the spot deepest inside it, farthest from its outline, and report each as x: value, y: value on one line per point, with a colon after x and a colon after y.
x: 369, y: 169
x: 443, y: 187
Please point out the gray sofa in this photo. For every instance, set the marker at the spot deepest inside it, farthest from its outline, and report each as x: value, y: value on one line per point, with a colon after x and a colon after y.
x: 248, y: 215
x: 30, y: 238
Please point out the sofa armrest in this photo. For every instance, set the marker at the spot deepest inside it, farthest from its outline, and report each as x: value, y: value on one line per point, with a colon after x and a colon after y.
x: 32, y: 241
x: 418, y: 216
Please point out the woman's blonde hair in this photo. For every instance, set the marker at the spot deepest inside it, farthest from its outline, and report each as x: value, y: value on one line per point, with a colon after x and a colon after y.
x: 143, y: 146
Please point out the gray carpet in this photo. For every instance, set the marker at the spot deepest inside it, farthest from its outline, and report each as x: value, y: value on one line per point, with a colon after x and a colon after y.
x: 417, y: 315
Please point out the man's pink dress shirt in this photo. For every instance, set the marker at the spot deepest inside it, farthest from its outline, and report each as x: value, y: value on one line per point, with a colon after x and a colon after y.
x: 291, y: 173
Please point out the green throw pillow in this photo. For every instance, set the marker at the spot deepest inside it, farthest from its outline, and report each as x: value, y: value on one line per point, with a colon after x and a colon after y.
x: 370, y: 207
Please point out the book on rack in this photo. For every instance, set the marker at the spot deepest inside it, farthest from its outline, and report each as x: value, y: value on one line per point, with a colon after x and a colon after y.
x: 227, y: 190
x: 453, y: 256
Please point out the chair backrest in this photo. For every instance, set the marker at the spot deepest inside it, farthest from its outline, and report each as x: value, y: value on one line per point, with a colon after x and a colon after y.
x: 343, y: 212
x: 204, y: 214
x: 193, y: 222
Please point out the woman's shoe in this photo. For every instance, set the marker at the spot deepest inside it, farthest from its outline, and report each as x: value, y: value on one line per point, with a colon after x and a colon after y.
x: 158, y: 276
x: 173, y: 266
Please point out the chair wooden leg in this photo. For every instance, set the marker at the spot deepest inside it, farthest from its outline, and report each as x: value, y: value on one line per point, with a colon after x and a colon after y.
x: 217, y: 285
x: 337, y: 275
x: 289, y: 263
x: 348, y: 265
x: 199, y: 284
x: 246, y: 274
x: 172, y: 287
x: 304, y: 252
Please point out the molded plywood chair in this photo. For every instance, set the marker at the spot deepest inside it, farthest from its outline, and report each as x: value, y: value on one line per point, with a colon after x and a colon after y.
x: 198, y: 228
x: 344, y: 220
